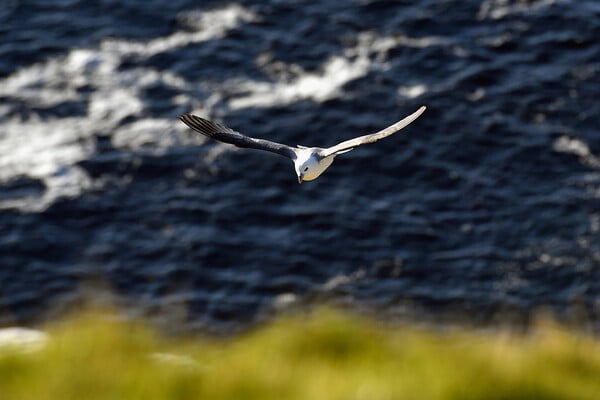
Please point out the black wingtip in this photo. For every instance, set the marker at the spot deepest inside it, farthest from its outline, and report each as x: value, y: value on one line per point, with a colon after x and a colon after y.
x: 190, y: 120
x: 202, y: 125
x: 183, y: 117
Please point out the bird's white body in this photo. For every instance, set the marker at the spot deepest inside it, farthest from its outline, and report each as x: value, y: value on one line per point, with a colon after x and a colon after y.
x: 309, y: 165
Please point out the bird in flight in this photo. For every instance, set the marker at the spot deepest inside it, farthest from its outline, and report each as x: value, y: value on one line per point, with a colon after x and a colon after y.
x: 309, y: 162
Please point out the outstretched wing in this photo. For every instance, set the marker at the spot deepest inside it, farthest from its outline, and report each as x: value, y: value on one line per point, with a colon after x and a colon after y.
x: 349, y: 144
x: 227, y: 135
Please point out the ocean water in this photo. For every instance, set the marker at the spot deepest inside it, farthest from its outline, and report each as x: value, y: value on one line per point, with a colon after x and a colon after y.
x: 486, y: 209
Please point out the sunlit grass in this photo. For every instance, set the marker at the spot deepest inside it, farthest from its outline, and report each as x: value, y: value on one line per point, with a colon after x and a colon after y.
x: 327, y: 355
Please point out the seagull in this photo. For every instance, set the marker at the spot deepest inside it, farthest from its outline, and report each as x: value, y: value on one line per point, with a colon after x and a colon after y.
x: 309, y: 162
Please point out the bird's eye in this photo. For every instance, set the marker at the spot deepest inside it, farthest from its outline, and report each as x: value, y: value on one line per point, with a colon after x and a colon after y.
x: 305, y: 169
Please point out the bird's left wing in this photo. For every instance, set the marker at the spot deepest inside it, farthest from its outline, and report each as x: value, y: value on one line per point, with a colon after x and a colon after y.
x: 349, y: 144
x: 228, y: 135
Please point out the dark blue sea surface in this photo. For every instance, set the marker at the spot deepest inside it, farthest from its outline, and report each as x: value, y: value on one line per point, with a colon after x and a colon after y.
x: 485, y: 209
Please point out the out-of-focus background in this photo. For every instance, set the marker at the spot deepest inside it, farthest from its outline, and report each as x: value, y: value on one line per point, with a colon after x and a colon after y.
x: 486, y: 209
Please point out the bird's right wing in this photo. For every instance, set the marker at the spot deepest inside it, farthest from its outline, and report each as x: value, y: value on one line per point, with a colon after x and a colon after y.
x: 227, y: 135
x: 373, y: 137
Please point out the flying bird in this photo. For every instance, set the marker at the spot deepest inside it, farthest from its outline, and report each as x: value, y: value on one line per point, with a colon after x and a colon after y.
x: 309, y: 162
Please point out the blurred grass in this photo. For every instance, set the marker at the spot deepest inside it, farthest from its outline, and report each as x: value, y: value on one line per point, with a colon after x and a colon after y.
x: 325, y: 355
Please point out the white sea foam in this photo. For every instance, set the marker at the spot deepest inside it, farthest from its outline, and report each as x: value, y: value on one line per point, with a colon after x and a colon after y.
x: 412, y: 92
x: 577, y: 147
x: 339, y: 280
x: 48, y: 148
x: 152, y: 134
x: 565, y: 144
x: 207, y: 25
x: 38, y: 148
x: 319, y: 87
x: 498, y: 9
x: 356, y: 62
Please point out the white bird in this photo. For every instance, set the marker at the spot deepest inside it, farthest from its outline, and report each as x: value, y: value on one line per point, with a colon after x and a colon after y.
x: 309, y: 162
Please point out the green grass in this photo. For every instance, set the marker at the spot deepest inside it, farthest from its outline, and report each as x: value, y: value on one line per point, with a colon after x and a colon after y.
x: 327, y: 355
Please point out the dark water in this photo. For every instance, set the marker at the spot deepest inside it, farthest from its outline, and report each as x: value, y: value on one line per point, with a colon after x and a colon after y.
x: 486, y: 208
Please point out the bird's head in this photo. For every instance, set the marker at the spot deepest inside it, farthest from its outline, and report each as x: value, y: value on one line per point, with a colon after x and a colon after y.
x: 302, y: 173
x: 309, y: 165
x: 304, y: 165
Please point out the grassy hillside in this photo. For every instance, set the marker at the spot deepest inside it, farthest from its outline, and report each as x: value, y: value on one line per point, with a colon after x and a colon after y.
x: 326, y: 355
